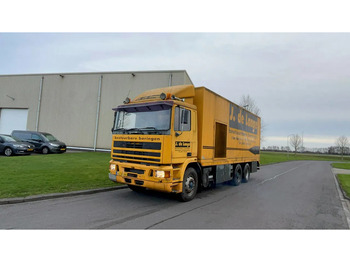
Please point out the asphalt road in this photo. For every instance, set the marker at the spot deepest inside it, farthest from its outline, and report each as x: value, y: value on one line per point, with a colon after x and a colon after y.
x: 290, y: 195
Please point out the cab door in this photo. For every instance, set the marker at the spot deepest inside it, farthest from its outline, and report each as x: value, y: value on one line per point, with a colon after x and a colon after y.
x: 185, y: 138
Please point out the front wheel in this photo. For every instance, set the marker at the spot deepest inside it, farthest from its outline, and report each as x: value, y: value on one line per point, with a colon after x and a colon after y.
x: 189, y: 185
x: 45, y: 150
x: 8, y: 151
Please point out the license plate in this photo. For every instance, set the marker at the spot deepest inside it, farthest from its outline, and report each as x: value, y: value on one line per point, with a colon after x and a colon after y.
x: 63, y: 149
x: 30, y: 149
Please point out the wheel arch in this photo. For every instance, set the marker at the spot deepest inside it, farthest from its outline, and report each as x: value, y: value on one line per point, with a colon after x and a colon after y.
x: 196, y: 166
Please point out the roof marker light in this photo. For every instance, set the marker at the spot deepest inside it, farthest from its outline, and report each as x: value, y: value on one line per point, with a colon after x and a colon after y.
x: 127, y: 100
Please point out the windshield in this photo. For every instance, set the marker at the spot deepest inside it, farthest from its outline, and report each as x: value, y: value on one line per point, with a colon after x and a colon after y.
x: 50, y: 137
x: 144, y: 122
x: 9, y: 139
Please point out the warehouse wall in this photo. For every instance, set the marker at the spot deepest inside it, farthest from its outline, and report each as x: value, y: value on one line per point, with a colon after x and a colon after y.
x: 69, y: 102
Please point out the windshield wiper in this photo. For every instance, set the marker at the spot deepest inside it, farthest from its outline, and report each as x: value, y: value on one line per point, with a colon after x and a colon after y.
x: 154, y: 129
x: 135, y: 129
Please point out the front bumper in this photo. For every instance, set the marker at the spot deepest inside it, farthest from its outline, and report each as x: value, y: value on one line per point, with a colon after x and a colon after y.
x: 112, y: 177
x: 144, y: 176
x: 57, y: 149
x: 22, y: 150
x: 167, y: 187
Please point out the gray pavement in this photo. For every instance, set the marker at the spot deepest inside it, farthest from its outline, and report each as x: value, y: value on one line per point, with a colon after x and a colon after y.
x: 290, y: 195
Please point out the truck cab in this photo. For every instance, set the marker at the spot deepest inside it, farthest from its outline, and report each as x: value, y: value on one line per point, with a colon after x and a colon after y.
x: 154, y: 140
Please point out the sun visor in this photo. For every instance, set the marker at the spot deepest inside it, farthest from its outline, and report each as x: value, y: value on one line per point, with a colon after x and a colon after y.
x: 144, y: 107
x: 181, y: 91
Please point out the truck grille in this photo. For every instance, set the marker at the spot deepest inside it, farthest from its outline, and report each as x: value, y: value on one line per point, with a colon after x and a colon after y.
x: 139, y: 145
x: 137, y: 151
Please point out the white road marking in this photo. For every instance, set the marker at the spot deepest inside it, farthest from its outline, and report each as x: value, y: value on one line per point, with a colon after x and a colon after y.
x: 272, y: 178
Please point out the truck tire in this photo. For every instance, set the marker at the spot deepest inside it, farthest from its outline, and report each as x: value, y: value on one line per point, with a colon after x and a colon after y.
x: 189, y: 185
x: 246, y: 173
x: 237, y: 175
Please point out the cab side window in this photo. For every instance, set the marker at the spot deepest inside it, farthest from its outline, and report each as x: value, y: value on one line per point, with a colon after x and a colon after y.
x: 182, y: 119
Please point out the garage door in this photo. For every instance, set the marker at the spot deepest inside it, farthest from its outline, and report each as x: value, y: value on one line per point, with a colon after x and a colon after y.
x: 12, y: 119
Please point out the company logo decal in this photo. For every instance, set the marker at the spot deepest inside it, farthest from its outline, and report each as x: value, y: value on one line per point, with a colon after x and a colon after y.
x: 242, y: 120
x: 182, y: 144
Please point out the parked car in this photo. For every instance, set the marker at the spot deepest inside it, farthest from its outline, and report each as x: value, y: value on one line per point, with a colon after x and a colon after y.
x: 12, y: 146
x: 43, y: 142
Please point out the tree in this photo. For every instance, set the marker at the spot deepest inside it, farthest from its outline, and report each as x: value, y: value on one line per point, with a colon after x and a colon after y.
x: 342, y: 142
x: 249, y: 104
x: 295, y: 141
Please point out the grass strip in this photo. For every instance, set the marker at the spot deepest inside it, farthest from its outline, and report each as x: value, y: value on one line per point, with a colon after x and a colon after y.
x: 277, y: 157
x: 22, y: 176
x: 344, y: 181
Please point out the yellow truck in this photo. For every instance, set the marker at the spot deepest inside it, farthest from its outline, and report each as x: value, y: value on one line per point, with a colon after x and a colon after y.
x: 181, y: 139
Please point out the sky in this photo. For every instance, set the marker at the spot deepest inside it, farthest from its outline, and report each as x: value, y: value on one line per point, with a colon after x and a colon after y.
x: 300, y: 81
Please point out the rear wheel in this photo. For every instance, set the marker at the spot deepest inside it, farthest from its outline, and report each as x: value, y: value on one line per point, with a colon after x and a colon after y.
x: 189, y: 185
x: 237, y: 175
x: 246, y: 173
x: 8, y: 151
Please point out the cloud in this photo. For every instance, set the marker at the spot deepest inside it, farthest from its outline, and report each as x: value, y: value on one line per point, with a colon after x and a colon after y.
x: 300, y: 81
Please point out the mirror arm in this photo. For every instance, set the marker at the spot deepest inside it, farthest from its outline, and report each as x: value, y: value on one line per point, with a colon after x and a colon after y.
x: 178, y: 134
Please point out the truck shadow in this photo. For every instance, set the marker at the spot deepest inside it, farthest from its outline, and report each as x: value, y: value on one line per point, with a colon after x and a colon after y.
x: 172, y: 197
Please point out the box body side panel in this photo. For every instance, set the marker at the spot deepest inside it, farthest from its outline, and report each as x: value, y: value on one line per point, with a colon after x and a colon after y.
x: 243, y: 130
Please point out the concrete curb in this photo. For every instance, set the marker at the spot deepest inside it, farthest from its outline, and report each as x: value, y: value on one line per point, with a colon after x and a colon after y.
x: 6, y: 201
x: 344, y: 199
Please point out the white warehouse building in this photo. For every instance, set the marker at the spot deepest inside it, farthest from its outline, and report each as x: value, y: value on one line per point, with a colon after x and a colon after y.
x: 75, y: 107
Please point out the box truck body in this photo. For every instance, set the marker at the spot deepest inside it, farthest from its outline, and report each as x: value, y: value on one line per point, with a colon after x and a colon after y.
x: 180, y: 139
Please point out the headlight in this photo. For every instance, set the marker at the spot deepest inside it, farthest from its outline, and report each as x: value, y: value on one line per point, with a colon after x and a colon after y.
x: 52, y: 144
x: 112, y: 167
x: 19, y: 146
x: 162, y: 174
